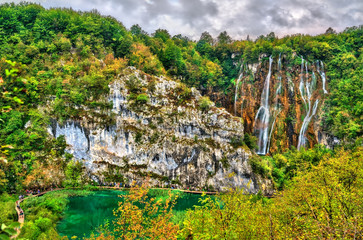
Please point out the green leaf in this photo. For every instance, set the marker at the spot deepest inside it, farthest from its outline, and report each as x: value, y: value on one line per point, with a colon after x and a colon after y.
x: 4, y: 237
x: 18, y: 100
x: 3, y: 226
x: 14, y: 225
x: 10, y: 231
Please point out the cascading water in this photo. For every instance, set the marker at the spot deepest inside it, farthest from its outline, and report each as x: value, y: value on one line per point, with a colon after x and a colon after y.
x: 236, y: 92
x: 277, y: 108
x: 304, y: 127
x: 322, y: 74
x: 301, y: 85
x: 263, y: 115
x: 243, y: 82
x: 307, y: 94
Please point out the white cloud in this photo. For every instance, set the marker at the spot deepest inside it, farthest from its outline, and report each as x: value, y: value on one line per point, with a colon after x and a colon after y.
x: 239, y: 18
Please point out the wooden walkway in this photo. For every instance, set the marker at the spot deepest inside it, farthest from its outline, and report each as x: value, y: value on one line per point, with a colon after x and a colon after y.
x: 21, y: 217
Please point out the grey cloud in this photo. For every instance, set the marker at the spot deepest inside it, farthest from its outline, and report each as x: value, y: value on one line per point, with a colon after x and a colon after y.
x: 238, y: 18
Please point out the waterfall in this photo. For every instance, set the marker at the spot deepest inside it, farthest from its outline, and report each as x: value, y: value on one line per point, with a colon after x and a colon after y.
x: 304, y: 127
x: 263, y: 114
x: 322, y: 74
x: 277, y: 108
x: 236, y: 92
x: 243, y: 82
x: 308, y: 90
x: 301, y: 85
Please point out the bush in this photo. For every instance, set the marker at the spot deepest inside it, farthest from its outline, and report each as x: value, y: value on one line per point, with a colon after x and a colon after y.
x: 250, y: 141
x: 138, y: 137
x: 260, y: 166
x: 142, y: 98
x: 133, y: 84
x: 225, y: 163
x: 184, y: 93
x: 205, y: 104
x: 236, y: 142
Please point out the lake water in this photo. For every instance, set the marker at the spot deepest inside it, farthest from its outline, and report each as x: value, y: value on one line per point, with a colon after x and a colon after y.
x: 85, y: 214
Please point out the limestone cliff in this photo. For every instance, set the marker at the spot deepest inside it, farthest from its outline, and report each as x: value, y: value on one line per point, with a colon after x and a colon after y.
x: 159, y: 130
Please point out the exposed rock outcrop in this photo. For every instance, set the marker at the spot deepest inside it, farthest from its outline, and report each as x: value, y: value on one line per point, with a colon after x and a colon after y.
x: 160, y: 131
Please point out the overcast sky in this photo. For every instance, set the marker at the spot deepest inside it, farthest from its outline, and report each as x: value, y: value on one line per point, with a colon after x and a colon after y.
x: 238, y: 17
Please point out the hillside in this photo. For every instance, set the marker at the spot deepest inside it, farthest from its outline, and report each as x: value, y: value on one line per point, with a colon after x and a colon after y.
x: 85, y: 101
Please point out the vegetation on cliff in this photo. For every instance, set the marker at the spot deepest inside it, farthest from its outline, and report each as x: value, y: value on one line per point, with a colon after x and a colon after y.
x: 58, y: 63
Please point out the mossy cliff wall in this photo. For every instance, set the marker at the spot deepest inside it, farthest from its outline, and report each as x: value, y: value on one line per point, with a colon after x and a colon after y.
x: 160, y: 130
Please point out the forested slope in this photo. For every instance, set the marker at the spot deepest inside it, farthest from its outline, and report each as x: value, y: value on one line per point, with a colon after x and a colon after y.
x: 69, y: 58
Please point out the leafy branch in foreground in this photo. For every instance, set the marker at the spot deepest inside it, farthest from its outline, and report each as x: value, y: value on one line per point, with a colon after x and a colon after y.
x: 140, y: 216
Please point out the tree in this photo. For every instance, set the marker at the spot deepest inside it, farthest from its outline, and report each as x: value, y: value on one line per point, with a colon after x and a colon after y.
x: 162, y: 34
x: 207, y: 38
x: 330, y: 31
x: 141, y: 217
x: 137, y: 30
x: 7, y: 232
x: 73, y: 173
x: 270, y: 37
x: 3, y: 180
x: 224, y: 38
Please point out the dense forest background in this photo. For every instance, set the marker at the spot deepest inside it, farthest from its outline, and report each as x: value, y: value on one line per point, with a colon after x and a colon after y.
x: 70, y: 58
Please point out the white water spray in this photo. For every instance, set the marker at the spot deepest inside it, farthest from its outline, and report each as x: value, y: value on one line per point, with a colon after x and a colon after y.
x: 243, y: 82
x: 263, y: 114
x: 322, y: 74
x: 304, y: 127
x: 308, y: 91
x: 301, y: 85
x: 277, y: 108
x: 236, y: 92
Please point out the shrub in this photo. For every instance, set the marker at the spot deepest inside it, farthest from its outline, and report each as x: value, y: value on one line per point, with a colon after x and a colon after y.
x: 184, y: 93
x: 225, y: 163
x: 205, y: 104
x: 154, y: 138
x: 250, y: 141
x: 138, y: 137
x: 236, y: 142
x: 260, y: 166
x: 142, y: 98
x: 151, y: 86
x: 133, y: 84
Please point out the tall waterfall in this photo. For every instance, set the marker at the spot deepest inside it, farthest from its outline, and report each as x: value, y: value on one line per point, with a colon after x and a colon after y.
x: 277, y: 108
x: 307, y: 95
x: 322, y: 74
x: 243, y: 82
x: 236, y: 92
x: 301, y: 85
x: 263, y: 115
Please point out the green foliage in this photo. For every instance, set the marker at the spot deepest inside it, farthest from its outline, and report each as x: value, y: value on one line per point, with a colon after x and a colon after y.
x: 142, y: 98
x: 205, y: 104
x: 236, y: 142
x: 154, y: 138
x: 323, y: 202
x: 138, y: 136
x: 184, y: 93
x: 73, y: 173
x: 7, y: 211
x: 250, y: 141
x: 261, y: 165
x: 43, y: 213
x: 225, y: 163
x: 58, y: 63
x: 6, y: 232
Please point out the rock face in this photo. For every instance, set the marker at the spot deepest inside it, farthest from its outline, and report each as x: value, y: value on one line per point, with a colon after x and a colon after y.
x: 297, y: 89
x: 160, y: 131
